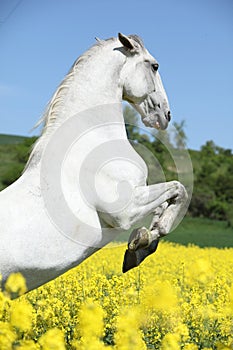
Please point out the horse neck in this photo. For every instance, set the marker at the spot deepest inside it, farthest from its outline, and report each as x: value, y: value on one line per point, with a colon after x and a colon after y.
x: 96, y: 81
x: 93, y: 80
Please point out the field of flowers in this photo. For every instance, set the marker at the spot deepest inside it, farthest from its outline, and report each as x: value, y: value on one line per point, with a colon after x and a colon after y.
x: 179, y: 298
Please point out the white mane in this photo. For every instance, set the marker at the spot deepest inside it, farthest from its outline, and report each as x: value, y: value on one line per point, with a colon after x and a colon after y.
x: 55, y: 105
x: 49, y: 118
x: 56, y: 102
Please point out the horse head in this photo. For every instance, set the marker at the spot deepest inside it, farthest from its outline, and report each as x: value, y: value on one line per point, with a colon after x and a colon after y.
x: 142, y: 85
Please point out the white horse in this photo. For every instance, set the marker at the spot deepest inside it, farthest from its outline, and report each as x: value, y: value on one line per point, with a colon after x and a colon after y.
x: 84, y: 183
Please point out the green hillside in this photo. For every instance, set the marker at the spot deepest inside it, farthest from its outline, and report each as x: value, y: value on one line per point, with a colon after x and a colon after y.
x: 10, y: 139
x: 14, y: 152
x: 202, y: 232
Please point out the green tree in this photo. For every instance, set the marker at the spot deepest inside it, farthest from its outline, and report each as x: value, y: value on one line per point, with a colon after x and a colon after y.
x: 14, y: 170
x: 209, y: 149
x: 179, y: 136
x: 24, y: 149
x: 12, y: 174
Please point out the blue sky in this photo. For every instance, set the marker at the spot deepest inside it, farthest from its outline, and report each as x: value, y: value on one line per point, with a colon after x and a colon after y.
x: 192, y: 40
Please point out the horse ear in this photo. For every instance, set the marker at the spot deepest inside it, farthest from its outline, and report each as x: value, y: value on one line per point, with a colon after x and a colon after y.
x: 98, y: 39
x: 126, y: 42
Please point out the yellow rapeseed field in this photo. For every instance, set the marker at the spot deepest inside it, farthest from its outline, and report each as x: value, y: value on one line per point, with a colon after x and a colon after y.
x: 179, y: 298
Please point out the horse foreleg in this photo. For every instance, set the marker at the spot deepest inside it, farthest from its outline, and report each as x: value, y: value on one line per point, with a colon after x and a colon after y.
x: 165, y: 202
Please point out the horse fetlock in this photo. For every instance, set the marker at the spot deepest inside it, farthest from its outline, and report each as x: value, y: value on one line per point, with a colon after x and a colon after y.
x: 162, y: 231
x: 139, y: 238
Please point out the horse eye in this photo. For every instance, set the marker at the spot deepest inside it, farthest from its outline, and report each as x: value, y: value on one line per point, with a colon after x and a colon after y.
x: 155, y: 67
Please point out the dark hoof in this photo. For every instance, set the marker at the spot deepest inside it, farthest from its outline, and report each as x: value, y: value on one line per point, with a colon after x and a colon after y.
x: 133, y: 258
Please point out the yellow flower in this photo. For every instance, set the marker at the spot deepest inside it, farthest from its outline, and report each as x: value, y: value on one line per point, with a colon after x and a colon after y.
x: 21, y: 315
x: 53, y: 339
x: 128, y: 335
x: 171, y: 341
x: 201, y: 271
x: 7, y: 336
x: 182, y: 330
x: 231, y: 298
x: 16, y: 284
x: 221, y: 346
x: 28, y: 345
x: 4, y: 303
x: 180, y: 297
x: 190, y: 346
x: 161, y: 296
x: 91, y: 320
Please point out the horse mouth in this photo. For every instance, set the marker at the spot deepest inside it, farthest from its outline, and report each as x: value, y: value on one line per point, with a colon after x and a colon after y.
x: 152, y: 115
x: 157, y: 125
x: 153, y: 118
x: 153, y: 121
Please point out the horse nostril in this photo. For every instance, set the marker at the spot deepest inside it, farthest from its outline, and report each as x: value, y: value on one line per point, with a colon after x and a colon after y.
x: 168, y: 116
